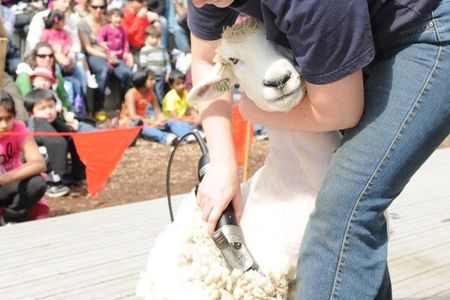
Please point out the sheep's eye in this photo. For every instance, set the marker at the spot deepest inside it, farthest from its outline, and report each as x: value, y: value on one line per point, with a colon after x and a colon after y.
x: 233, y: 60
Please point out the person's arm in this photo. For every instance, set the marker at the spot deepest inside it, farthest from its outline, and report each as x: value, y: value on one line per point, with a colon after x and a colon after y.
x: 34, y: 32
x: 23, y: 83
x: 131, y: 107
x: 157, y: 108
x: 325, y: 107
x: 193, y: 116
x: 133, y: 24
x: 34, y: 164
x: 102, y: 37
x: 221, y: 183
x: 127, y: 55
x: 88, y: 47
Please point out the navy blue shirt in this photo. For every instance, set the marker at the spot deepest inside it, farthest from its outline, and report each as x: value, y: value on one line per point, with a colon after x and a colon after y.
x: 330, y: 39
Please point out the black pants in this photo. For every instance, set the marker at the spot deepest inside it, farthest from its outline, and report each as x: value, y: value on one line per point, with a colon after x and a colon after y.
x: 17, y: 197
x: 57, y: 148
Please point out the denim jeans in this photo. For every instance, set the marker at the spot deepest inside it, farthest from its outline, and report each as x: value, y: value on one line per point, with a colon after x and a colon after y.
x: 100, y: 68
x: 160, y: 134
x: 169, y: 25
x: 406, y: 116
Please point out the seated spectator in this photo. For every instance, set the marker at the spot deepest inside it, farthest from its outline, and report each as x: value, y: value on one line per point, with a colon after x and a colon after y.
x: 142, y: 108
x: 21, y: 184
x: 114, y: 40
x: 98, y: 58
x: 37, y: 25
x: 136, y: 19
x: 12, y: 59
x: 44, y: 117
x: 156, y: 58
x: 44, y: 57
x: 175, y: 103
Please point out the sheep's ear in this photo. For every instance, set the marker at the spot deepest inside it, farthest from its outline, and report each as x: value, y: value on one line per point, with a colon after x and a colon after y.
x: 217, y: 82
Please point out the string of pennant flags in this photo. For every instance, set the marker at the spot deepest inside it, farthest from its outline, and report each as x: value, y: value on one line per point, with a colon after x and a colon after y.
x: 101, y: 151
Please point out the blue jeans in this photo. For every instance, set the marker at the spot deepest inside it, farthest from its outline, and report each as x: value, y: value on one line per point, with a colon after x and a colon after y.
x: 159, y: 89
x: 406, y: 116
x: 100, y: 68
x: 86, y: 127
x: 160, y: 134
x: 169, y: 25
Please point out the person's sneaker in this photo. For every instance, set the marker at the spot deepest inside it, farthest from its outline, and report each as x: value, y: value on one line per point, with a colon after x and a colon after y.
x: 107, y: 91
x: 91, y: 81
x: 262, y: 137
x: 54, y: 191
x: 200, y: 132
x: 171, y: 139
x: 190, y: 139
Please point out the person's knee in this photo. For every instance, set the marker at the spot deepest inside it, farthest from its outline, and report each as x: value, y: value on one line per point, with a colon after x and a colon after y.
x: 37, y: 186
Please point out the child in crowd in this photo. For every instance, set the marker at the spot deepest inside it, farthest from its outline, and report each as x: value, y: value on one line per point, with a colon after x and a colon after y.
x: 113, y: 39
x: 156, y: 58
x: 175, y: 103
x: 61, y: 42
x: 42, y: 78
x: 41, y: 107
x: 21, y: 184
x: 142, y: 108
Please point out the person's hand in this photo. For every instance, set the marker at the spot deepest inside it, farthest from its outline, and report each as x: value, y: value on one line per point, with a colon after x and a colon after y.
x: 219, y: 186
x: 152, y: 17
x: 128, y: 58
x: 112, y: 60
x: 142, y: 13
x: 104, y: 45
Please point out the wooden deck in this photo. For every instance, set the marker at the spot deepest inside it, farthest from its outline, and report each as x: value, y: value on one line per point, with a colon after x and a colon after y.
x: 98, y: 254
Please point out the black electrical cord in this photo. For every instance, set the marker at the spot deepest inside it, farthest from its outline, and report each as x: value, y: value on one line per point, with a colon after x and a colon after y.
x: 203, y: 161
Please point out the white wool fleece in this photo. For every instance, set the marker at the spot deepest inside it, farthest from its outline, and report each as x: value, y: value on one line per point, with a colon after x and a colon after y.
x: 186, y: 264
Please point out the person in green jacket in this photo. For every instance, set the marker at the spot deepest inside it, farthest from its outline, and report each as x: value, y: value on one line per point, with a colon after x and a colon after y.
x: 41, y: 56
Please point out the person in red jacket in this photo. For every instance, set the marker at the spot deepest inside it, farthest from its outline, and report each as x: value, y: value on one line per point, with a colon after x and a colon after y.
x: 136, y: 19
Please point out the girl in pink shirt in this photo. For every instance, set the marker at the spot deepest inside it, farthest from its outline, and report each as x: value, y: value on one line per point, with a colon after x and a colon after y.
x: 21, y: 184
x: 113, y: 38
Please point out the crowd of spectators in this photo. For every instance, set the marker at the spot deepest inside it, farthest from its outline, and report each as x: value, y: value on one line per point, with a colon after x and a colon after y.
x: 78, y: 52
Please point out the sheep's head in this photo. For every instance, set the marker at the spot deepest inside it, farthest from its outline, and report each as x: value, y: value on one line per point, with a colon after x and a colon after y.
x: 261, y: 68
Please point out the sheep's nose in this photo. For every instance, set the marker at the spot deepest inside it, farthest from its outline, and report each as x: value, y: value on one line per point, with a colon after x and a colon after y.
x: 278, y: 82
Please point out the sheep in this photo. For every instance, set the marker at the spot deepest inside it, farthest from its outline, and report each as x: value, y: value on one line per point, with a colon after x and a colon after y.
x: 184, y: 263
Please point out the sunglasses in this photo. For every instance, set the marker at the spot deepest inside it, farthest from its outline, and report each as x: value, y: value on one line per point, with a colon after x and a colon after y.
x: 98, y: 6
x: 45, y: 55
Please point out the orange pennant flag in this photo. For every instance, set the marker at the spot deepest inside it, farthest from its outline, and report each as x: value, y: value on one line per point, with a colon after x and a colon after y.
x: 100, y: 151
x: 239, y: 131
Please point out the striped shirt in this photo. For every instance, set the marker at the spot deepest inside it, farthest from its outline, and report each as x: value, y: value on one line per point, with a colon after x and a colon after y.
x: 156, y: 59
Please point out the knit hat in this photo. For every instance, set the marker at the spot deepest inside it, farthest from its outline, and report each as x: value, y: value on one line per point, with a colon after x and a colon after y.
x: 43, y: 72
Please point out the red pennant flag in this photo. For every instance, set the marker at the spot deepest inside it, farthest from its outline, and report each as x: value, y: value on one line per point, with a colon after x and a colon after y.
x: 239, y: 130
x: 100, y: 151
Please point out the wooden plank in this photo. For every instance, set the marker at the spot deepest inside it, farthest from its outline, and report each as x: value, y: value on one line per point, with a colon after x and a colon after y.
x: 419, y: 255
x: 67, y: 260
